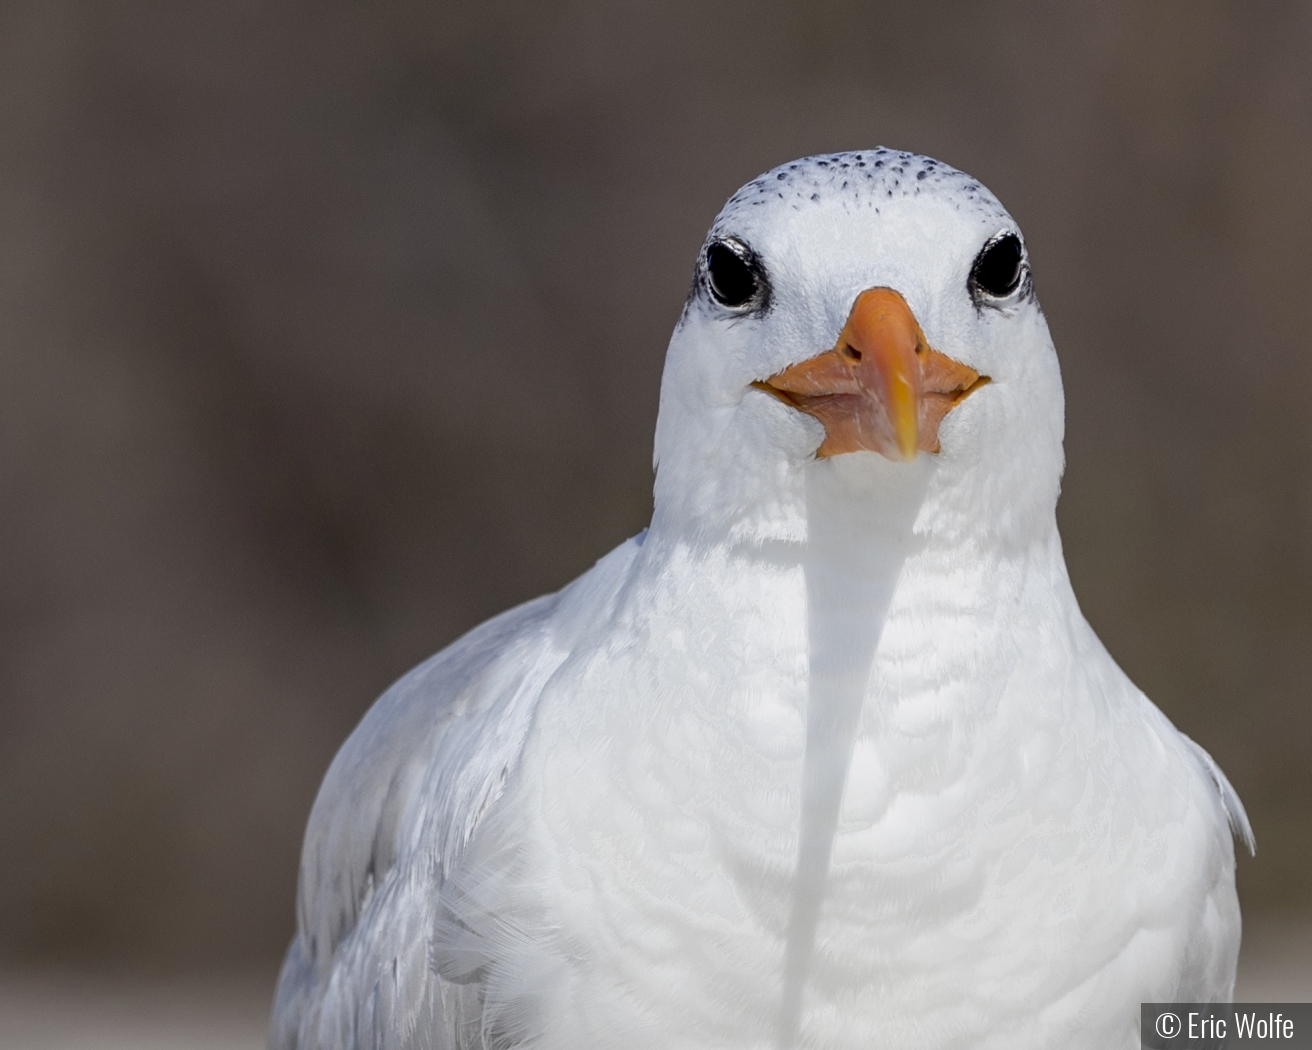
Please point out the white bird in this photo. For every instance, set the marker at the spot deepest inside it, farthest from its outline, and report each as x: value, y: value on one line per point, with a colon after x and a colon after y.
x: 827, y: 756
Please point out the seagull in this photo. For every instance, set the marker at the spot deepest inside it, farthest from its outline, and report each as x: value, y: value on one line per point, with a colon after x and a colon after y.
x: 827, y: 756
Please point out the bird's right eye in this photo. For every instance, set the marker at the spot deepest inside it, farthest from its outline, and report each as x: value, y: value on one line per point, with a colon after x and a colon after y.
x: 732, y: 273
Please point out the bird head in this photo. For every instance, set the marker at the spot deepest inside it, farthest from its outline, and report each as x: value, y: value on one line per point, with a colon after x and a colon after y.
x: 870, y: 313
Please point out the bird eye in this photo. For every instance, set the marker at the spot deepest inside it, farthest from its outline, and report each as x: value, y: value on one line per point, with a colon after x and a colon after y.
x: 997, y: 271
x: 732, y: 273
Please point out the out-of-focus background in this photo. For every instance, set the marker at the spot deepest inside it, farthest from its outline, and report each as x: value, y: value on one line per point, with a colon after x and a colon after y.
x: 328, y: 329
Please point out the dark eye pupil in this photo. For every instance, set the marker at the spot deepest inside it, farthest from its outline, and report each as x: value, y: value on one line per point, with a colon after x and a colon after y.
x: 997, y: 270
x: 730, y: 276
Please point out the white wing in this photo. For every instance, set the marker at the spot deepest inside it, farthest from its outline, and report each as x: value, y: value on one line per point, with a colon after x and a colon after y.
x: 397, y: 808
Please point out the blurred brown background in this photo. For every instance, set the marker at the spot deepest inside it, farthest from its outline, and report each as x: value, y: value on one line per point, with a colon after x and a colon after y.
x: 329, y: 329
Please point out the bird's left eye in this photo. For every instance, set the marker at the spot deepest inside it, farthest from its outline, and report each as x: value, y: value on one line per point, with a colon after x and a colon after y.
x: 998, y: 270
x: 732, y: 273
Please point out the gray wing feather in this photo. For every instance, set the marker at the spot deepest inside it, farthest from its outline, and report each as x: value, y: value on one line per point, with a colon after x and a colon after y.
x: 1230, y: 802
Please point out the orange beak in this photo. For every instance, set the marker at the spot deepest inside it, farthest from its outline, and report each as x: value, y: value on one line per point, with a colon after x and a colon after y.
x: 882, y: 388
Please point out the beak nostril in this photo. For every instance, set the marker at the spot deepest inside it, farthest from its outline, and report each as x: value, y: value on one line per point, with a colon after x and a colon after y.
x: 851, y: 352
